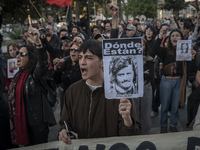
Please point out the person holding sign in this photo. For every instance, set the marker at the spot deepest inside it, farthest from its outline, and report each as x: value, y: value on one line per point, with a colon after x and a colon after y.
x: 87, y: 113
x: 173, y: 81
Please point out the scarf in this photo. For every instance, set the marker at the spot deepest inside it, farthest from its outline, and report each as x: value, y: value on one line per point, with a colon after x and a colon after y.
x: 19, y: 133
x: 182, y: 91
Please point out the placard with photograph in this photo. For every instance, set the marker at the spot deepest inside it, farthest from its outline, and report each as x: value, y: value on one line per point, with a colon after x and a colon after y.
x: 123, y: 68
x: 183, y: 50
x: 12, y: 67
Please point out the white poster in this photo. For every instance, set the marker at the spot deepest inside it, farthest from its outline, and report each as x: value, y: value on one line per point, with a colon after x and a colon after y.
x: 12, y: 67
x: 183, y: 50
x: 123, y: 68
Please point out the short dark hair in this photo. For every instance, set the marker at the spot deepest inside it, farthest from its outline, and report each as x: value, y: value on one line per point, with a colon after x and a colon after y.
x: 94, y: 46
x: 96, y: 26
x: 79, y: 30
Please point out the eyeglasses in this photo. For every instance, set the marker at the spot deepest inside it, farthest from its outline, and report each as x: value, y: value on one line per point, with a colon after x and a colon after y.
x: 63, y: 41
x: 74, y: 49
x: 22, y: 54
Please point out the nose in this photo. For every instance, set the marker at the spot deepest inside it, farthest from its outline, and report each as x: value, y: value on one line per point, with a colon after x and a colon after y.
x: 82, y: 61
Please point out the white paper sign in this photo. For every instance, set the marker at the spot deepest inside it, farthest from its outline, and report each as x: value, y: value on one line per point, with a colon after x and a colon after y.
x: 183, y: 50
x: 12, y: 67
x: 123, y: 68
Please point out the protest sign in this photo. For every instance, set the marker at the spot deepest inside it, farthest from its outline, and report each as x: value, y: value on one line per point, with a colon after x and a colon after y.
x: 12, y: 67
x: 183, y: 50
x: 123, y: 68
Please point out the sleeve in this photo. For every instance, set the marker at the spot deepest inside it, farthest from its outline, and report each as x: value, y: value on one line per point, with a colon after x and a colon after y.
x: 42, y: 63
x: 160, y: 51
x: 195, y: 34
x: 197, y: 120
x: 136, y: 128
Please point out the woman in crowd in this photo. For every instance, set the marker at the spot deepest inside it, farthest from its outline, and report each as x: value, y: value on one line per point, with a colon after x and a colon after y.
x: 69, y: 72
x: 173, y: 81
x: 30, y: 112
x: 143, y: 104
x: 11, y: 49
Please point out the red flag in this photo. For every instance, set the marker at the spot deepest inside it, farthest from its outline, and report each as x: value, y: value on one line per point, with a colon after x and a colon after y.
x: 61, y: 3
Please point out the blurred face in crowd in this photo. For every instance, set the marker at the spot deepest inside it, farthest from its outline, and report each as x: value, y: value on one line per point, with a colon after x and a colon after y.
x: 175, y: 36
x: 22, y: 58
x: 120, y: 29
x: 99, y: 22
x: 96, y: 31
x: 130, y: 33
x: 75, y: 31
x: 107, y: 27
x: 74, y: 53
x: 139, y: 28
x: 50, y: 30
x: 149, y: 33
x: 186, y: 32
x: 66, y: 44
x: 158, y: 24
x: 62, y: 33
x: 12, y: 51
x: 50, y: 19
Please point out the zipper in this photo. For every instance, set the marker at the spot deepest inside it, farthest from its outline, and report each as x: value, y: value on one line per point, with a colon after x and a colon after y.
x: 89, y: 114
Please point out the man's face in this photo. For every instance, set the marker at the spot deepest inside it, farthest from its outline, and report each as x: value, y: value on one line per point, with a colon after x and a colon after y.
x: 50, y: 19
x: 75, y: 31
x: 62, y: 33
x: 158, y: 24
x: 50, y: 30
x: 130, y: 33
x: 139, y: 28
x: 184, y: 46
x: 186, y: 32
x: 91, y: 67
x: 107, y: 27
x: 66, y: 44
x: 96, y: 31
x: 124, y: 78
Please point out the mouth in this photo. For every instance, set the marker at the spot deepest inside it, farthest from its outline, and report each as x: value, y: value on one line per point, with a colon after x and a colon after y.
x: 18, y: 62
x: 83, y: 71
x: 73, y: 56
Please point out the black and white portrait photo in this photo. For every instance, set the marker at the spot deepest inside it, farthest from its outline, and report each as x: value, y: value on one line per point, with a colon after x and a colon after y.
x: 123, y: 75
x: 123, y: 68
x: 183, y: 50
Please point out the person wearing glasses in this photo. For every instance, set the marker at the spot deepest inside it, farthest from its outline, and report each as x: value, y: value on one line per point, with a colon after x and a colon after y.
x: 30, y: 112
x: 68, y: 72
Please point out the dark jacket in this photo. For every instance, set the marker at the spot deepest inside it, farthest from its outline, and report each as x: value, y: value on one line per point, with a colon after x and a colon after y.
x: 39, y: 114
x: 90, y: 115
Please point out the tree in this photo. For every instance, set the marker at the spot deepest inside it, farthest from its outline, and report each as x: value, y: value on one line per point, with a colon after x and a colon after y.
x: 141, y: 7
x: 196, y: 5
x: 176, y: 5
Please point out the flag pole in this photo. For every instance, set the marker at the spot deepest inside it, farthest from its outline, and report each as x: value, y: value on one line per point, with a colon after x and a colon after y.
x: 67, y: 13
x: 35, y: 8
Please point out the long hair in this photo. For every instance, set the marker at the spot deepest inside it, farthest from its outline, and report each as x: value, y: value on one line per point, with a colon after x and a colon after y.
x: 145, y: 51
x: 32, y: 57
x: 170, y: 48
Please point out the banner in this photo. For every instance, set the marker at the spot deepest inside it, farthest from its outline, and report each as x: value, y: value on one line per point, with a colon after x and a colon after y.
x: 61, y: 3
x: 123, y: 68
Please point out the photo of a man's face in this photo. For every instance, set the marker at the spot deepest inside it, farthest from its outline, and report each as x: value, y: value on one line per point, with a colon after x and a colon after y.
x: 124, y: 77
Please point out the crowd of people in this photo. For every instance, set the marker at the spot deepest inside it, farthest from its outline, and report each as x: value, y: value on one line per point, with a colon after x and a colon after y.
x: 71, y: 58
